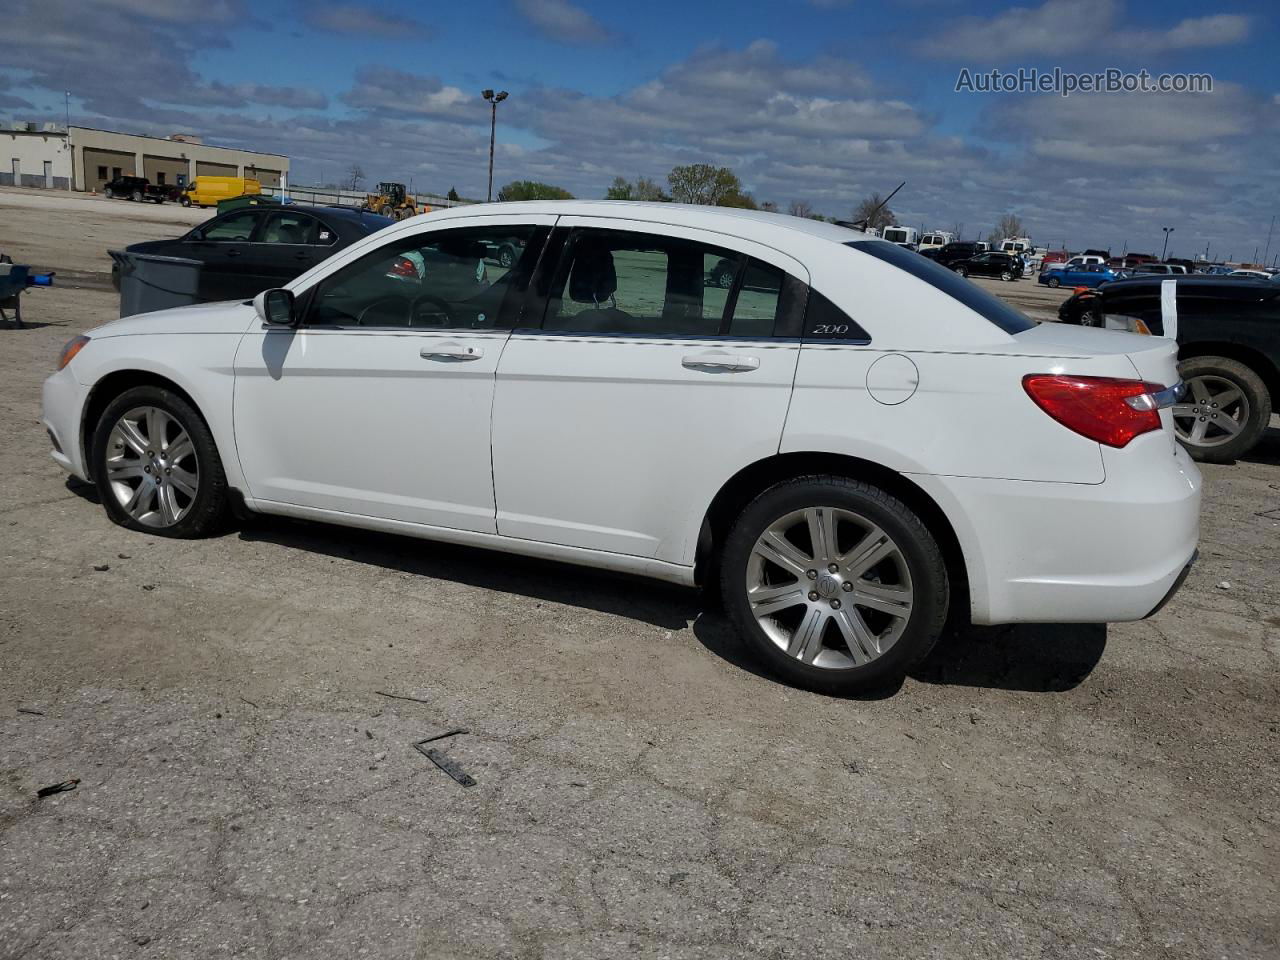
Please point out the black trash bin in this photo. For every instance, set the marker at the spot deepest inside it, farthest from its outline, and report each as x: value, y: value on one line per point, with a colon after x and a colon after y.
x: 150, y: 282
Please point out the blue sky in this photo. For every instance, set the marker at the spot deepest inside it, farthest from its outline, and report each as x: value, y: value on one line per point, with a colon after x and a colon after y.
x: 821, y: 101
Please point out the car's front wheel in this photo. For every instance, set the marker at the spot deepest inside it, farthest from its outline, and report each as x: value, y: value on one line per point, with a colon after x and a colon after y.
x: 136, y: 196
x: 1225, y: 410
x: 963, y: 271
x: 156, y: 467
x: 1006, y: 275
x: 837, y: 585
x: 185, y: 201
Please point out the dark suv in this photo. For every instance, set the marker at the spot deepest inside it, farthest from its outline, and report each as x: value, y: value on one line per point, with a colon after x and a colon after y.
x: 134, y: 188
x: 991, y: 264
x: 952, y: 253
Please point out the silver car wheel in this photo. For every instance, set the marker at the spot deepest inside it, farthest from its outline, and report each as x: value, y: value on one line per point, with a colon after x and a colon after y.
x: 151, y: 466
x: 1216, y: 409
x: 829, y: 587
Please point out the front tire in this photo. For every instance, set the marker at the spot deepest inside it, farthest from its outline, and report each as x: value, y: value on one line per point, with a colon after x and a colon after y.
x: 185, y: 201
x: 1225, y: 411
x: 137, y: 196
x: 156, y: 466
x: 834, y: 583
x: 1006, y: 275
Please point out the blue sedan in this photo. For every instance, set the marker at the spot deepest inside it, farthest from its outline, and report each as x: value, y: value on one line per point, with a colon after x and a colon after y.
x: 1089, y: 275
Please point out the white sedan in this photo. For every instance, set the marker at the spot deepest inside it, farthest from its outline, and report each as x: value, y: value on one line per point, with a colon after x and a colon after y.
x: 853, y: 444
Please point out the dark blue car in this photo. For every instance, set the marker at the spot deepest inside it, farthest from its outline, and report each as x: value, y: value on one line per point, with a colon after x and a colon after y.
x: 1089, y: 275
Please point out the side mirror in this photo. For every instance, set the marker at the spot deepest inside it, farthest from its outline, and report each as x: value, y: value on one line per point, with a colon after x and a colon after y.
x: 275, y: 307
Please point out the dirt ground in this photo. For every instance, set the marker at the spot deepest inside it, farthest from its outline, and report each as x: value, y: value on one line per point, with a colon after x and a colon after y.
x: 248, y: 789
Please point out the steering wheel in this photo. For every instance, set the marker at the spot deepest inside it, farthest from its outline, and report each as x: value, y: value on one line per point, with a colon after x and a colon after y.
x: 435, y: 305
x: 394, y: 313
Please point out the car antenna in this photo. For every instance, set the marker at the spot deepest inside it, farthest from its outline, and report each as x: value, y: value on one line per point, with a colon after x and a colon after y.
x: 866, y: 221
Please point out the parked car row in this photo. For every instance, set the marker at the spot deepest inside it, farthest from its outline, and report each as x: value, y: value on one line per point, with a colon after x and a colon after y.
x: 601, y: 403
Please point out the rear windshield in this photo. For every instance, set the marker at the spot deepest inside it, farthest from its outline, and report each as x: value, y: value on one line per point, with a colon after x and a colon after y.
x: 952, y: 284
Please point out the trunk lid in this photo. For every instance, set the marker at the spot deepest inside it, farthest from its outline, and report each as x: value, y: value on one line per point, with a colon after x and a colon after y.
x: 1154, y: 359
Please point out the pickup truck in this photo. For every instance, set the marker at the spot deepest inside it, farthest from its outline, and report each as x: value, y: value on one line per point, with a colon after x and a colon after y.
x: 135, y: 188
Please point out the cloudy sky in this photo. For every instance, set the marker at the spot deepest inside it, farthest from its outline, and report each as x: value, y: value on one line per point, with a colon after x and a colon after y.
x: 815, y: 100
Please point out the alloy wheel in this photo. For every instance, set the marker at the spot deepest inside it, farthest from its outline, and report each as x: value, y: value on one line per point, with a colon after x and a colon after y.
x: 829, y: 587
x: 151, y: 466
x: 1213, y: 412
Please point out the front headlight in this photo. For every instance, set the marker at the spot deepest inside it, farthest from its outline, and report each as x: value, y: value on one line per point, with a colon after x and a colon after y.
x: 73, y: 346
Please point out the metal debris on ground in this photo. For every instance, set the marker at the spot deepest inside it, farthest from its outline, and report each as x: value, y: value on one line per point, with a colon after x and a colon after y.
x: 397, y: 696
x: 34, y: 713
x: 62, y: 787
x: 442, y: 760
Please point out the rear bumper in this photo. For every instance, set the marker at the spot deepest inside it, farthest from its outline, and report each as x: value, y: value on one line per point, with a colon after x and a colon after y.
x: 1075, y: 553
x: 1177, y: 585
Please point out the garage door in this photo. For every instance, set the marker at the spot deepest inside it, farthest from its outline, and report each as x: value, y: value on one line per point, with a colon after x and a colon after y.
x: 268, y: 178
x: 163, y: 170
x: 101, y: 165
x: 206, y: 169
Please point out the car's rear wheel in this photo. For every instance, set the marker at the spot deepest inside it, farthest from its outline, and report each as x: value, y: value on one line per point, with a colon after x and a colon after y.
x: 185, y: 201
x: 963, y: 271
x: 137, y: 196
x: 156, y: 466
x: 1225, y: 410
x: 1054, y: 282
x: 837, y: 585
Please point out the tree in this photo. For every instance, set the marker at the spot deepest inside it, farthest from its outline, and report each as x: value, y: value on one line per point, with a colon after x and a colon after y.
x: 704, y: 184
x: 769, y: 206
x: 1007, y: 226
x: 620, y: 189
x: 533, y: 190
x: 354, y: 177
x: 650, y: 190
x: 875, y: 218
x: 642, y: 189
x: 453, y: 195
x: 800, y: 208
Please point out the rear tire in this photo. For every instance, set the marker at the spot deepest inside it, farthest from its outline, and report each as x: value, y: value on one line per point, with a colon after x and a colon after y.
x: 1220, y: 391
x: 963, y: 271
x: 814, y: 626
x: 1053, y: 282
x: 137, y: 196
x: 131, y: 466
x: 185, y: 201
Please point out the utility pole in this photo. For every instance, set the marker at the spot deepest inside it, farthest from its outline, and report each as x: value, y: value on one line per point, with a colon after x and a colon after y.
x: 1266, y: 253
x: 494, y: 99
x: 66, y: 102
x: 1165, y: 251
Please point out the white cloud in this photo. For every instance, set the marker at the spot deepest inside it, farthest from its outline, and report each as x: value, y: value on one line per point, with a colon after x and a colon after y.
x: 1061, y: 27
x: 563, y: 21
x: 354, y: 18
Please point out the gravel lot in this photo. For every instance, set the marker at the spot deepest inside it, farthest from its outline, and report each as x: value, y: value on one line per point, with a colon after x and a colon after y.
x: 642, y: 791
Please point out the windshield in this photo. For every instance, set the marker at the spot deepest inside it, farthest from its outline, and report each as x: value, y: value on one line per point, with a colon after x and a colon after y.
x: 952, y: 284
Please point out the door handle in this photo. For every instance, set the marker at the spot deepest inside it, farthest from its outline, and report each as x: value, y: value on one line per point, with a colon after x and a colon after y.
x: 730, y: 362
x: 451, y: 353
x: 301, y: 256
x: 233, y: 253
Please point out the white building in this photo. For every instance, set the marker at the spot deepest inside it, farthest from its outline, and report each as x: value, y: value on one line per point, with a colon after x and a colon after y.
x: 35, y: 158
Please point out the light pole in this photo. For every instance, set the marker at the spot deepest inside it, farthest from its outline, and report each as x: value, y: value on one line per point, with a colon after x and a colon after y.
x: 1167, y: 231
x: 494, y: 99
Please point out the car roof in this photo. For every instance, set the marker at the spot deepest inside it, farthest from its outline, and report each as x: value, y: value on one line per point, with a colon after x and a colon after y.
x: 750, y: 224
x: 1222, y: 288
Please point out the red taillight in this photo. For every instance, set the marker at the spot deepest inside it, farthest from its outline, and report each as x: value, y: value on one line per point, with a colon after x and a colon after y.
x: 403, y: 267
x: 1105, y: 409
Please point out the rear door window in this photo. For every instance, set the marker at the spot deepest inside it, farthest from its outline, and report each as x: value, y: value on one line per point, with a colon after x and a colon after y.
x: 952, y: 284
x: 233, y: 227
